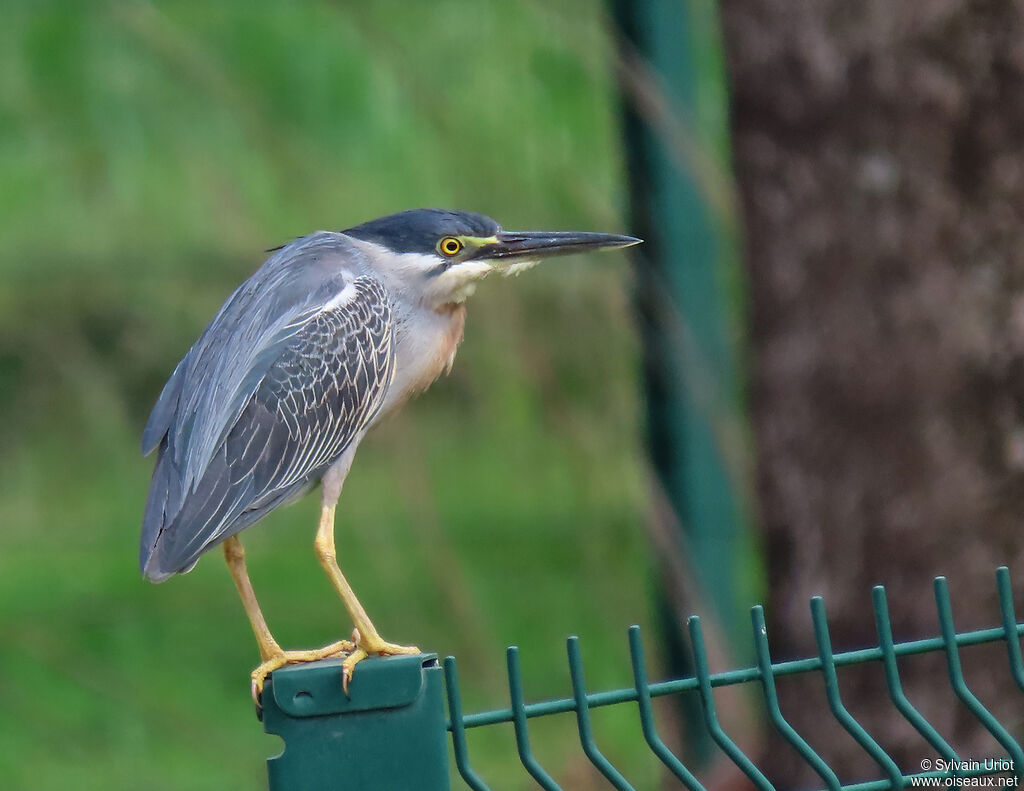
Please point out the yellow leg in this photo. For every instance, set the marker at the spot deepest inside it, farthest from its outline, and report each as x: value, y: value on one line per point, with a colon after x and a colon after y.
x: 271, y: 653
x: 368, y: 641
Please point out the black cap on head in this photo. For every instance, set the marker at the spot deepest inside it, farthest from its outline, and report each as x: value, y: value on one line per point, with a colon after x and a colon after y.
x: 418, y: 230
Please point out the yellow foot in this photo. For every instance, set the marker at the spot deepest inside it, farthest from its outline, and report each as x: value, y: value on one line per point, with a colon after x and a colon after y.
x: 269, y: 665
x: 365, y: 647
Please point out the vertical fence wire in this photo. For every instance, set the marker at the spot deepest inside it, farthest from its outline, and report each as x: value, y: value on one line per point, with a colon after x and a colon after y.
x: 650, y: 731
x: 707, y: 699
x: 956, y: 677
x: 883, y: 626
x: 579, y: 692
x: 458, y: 728
x: 835, y: 702
x: 515, y: 686
x: 1009, y: 615
x: 771, y: 700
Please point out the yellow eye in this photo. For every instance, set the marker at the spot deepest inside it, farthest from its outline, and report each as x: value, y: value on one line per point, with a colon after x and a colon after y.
x: 449, y: 246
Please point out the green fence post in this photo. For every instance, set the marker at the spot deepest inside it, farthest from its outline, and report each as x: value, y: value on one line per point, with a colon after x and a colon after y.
x: 691, y: 290
x: 388, y: 733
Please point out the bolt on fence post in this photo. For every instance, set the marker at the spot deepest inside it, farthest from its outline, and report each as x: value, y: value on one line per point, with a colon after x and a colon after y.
x: 387, y: 733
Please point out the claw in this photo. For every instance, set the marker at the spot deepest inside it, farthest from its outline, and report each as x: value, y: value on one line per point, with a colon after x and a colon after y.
x: 348, y: 667
x: 365, y: 647
x: 272, y: 663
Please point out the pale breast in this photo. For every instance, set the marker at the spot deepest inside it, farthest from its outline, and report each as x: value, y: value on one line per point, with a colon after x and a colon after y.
x: 425, y: 348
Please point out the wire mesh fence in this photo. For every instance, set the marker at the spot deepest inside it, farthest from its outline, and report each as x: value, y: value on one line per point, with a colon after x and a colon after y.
x: 949, y: 769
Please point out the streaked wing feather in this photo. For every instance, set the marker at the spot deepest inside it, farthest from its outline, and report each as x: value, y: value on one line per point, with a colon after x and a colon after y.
x: 324, y: 386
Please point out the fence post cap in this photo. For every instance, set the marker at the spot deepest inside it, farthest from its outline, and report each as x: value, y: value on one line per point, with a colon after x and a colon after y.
x: 314, y: 689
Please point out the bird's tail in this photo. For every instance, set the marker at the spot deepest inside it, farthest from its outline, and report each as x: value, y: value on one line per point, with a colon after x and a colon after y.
x: 182, y: 522
x: 160, y: 511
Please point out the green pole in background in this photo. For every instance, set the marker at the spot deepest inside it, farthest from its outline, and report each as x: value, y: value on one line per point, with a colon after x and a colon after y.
x: 690, y: 301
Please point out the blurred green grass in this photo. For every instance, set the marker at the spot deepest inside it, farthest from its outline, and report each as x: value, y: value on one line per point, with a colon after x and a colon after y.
x: 149, y: 153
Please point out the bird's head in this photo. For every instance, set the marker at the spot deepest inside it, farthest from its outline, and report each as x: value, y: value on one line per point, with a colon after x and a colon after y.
x: 436, y: 257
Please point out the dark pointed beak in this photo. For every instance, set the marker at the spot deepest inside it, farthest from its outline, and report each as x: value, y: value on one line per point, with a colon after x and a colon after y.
x: 518, y: 246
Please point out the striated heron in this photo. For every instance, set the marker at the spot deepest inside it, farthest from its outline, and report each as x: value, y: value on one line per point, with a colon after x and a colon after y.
x: 335, y: 330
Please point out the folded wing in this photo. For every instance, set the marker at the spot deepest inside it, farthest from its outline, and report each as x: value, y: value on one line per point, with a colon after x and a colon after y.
x: 308, y: 386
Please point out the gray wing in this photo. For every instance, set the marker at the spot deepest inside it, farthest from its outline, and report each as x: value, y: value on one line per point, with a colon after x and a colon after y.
x: 313, y: 385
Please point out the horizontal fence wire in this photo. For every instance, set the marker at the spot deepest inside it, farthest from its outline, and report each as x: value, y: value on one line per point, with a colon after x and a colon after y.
x: 765, y: 673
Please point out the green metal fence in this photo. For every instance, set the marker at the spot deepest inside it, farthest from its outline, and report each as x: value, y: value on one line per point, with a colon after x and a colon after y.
x: 391, y: 731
